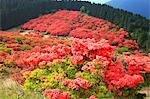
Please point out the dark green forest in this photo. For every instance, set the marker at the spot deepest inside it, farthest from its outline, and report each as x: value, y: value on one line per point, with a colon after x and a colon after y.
x: 137, y: 26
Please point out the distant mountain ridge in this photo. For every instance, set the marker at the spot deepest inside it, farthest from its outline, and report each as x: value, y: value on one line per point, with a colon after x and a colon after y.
x: 141, y: 7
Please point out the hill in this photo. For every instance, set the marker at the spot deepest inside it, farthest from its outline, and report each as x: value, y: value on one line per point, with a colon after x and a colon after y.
x: 136, y: 6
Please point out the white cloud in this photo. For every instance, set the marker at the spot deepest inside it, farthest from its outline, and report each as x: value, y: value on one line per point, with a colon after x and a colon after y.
x: 98, y: 1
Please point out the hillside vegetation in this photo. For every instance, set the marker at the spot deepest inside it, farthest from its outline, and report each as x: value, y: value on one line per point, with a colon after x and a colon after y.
x: 136, y: 25
x: 69, y: 55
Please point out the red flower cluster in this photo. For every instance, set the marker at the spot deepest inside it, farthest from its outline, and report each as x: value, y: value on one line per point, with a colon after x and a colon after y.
x: 59, y: 23
x: 77, y: 83
x: 117, y: 78
x: 92, y: 97
x: 3, y: 56
x: 128, y: 81
x: 137, y: 63
x: 16, y: 41
x: 88, y: 49
x: 1, y: 59
x: 39, y: 56
x: 83, y: 33
x: 64, y: 28
x: 75, y: 24
x: 130, y: 44
x: 56, y: 94
x: 92, y: 55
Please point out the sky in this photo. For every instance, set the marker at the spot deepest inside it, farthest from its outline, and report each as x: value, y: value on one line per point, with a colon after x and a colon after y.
x: 98, y: 1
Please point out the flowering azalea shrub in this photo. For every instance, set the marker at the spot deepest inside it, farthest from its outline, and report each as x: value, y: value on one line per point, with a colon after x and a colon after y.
x: 62, y: 80
x: 136, y: 62
x: 38, y: 56
x: 75, y: 70
x: 75, y: 24
x: 88, y: 49
x: 100, y: 62
x: 55, y: 93
x: 13, y: 42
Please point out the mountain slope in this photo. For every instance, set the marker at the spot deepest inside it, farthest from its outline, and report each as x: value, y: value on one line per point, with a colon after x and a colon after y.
x: 141, y: 7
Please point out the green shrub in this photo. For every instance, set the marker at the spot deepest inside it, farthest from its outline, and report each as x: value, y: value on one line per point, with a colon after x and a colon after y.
x: 121, y: 50
x: 23, y: 48
x: 44, y: 79
x: 4, y: 48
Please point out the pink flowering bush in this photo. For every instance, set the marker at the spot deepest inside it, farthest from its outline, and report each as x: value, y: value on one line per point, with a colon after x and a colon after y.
x: 38, y: 56
x: 61, y: 79
x: 75, y: 24
x: 88, y: 65
x: 100, y: 62
x: 55, y: 93
x: 88, y: 49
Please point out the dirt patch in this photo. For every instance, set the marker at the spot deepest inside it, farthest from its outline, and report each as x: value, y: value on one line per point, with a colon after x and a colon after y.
x: 14, y: 29
x: 146, y: 90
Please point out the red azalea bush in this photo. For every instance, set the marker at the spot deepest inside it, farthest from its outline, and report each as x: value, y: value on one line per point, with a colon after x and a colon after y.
x: 81, y: 33
x: 55, y: 94
x: 31, y: 58
x: 75, y: 24
x: 89, y: 67
x: 63, y: 30
x: 86, y: 56
x: 118, y: 79
x: 88, y: 49
x: 136, y: 62
x: 16, y: 41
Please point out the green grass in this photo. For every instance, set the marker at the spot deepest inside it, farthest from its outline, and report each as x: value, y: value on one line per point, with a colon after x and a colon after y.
x: 10, y: 89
